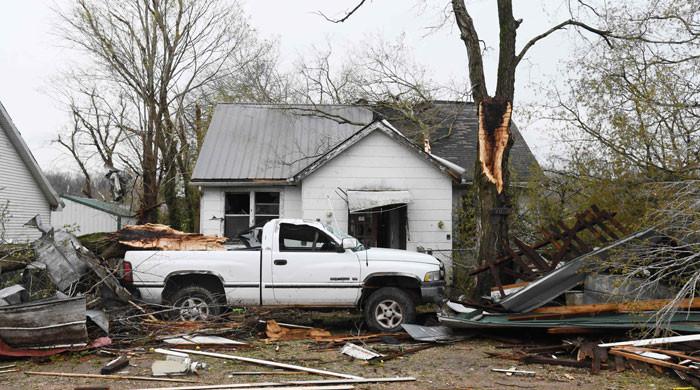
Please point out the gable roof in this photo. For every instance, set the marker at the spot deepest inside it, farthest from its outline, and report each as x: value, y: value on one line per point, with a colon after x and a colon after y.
x: 25, y: 154
x: 107, y: 207
x: 275, y: 144
x: 386, y: 128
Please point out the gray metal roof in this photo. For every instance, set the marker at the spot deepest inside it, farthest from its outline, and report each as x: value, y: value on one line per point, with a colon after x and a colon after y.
x: 253, y: 142
x: 26, y: 155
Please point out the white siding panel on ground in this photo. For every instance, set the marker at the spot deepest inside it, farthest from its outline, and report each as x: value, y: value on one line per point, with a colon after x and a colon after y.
x: 85, y: 220
x: 20, y: 192
x: 379, y: 163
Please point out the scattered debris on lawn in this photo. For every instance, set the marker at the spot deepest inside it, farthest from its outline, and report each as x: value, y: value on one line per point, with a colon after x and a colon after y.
x: 279, y: 332
x: 358, y: 352
x: 176, y: 363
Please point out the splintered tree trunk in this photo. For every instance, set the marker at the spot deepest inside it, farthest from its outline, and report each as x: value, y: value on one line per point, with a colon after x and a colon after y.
x: 491, y: 178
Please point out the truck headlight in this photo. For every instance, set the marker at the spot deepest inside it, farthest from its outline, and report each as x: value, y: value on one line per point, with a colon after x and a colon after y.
x: 431, y: 276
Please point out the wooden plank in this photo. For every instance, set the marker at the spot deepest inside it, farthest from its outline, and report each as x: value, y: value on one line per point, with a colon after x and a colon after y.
x: 654, y: 362
x: 541, y: 263
x: 625, y: 307
x: 266, y: 363
x: 110, y: 377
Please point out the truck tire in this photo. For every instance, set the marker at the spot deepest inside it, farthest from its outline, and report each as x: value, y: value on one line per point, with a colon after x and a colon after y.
x: 194, y: 302
x: 388, y: 308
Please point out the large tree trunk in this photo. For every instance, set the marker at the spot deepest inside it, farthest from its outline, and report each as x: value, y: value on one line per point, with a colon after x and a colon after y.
x: 491, y: 177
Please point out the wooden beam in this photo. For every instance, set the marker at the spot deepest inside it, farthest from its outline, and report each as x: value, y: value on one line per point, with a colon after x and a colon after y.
x: 110, y: 377
x: 625, y: 307
x: 648, y: 360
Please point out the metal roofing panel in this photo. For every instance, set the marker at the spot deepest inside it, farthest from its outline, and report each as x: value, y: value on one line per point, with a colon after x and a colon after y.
x: 251, y: 141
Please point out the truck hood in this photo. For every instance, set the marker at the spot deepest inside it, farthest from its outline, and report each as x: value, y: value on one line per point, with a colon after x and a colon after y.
x: 385, y: 254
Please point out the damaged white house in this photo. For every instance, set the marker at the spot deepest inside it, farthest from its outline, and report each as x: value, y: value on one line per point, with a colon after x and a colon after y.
x: 369, y: 174
x: 24, y: 190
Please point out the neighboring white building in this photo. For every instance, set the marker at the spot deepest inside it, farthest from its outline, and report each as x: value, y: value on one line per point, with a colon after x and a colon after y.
x: 86, y: 215
x: 342, y: 165
x: 24, y: 190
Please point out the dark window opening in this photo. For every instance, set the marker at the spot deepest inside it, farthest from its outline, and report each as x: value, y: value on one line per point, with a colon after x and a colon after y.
x: 380, y: 227
x: 238, y: 208
x: 304, y: 238
x: 267, y: 207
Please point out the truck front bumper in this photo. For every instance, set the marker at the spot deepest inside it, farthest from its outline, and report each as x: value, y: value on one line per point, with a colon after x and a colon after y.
x: 432, y: 292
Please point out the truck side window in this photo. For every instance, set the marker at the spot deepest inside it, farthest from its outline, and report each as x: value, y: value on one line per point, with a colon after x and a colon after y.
x: 304, y: 238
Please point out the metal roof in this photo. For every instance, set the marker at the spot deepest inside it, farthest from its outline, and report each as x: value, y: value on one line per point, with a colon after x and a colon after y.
x: 247, y: 142
x: 25, y: 154
x: 107, y: 207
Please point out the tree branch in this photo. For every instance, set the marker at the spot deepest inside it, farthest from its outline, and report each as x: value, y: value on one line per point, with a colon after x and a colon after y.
x: 347, y: 15
x: 605, y: 34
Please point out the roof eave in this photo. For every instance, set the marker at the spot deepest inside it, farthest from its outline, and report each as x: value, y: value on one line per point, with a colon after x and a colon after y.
x: 27, y: 157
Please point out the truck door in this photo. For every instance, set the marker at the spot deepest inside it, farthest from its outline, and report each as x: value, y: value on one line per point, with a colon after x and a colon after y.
x: 309, y: 268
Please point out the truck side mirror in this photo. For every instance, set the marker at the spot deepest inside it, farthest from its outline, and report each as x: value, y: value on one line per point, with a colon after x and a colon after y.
x: 349, y: 243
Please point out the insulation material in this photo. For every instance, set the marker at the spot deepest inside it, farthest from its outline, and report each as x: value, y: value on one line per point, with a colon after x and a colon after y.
x: 363, y: 200
x: 155, y: 236
x: 494, y: 132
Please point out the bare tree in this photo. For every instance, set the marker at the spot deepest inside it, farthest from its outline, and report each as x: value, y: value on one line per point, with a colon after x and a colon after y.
x: 161, y: 53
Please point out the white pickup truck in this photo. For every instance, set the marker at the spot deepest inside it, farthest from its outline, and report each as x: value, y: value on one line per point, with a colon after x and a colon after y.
x: 290, y: 263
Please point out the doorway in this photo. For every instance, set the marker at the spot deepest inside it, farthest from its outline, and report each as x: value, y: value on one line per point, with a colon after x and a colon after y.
x: 380, y: 227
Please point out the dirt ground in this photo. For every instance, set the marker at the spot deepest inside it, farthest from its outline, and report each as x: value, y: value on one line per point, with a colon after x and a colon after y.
x: 463, y: 365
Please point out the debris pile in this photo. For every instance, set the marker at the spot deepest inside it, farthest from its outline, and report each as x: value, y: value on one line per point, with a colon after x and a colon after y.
x: 565, y: 291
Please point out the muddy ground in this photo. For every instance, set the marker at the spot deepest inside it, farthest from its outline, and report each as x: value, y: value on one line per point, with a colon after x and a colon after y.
x: 463, y: 365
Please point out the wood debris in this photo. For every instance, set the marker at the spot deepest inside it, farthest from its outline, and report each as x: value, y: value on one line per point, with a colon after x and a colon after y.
x: 277, y: 332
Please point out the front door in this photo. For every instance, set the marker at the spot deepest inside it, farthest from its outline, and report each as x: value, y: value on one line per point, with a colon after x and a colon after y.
x: 308, y: 268
x: 380, y: 227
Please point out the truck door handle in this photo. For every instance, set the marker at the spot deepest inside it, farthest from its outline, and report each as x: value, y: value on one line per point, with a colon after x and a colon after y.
x: 280, y: 262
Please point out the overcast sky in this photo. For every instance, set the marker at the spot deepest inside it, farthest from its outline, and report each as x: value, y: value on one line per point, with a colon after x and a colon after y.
x: 31, y: 53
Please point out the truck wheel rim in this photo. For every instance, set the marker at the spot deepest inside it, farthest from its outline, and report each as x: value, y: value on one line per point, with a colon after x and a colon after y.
x: 388, y: 314
x: 193, y: 308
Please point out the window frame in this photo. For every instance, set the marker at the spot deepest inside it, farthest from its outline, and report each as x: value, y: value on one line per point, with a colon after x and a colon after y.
x: 251, y: 207
x: 281, y: 247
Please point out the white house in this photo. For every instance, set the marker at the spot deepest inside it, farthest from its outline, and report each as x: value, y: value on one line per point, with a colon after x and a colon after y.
x: 344, y: 165
x: 24, y: 190
x: 86, y: 215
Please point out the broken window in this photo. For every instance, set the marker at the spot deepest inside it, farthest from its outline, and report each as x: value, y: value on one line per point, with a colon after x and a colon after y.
x: 244, y: 210
x: 304, y: 238
x: 237, y: 214
x: 267, y: 207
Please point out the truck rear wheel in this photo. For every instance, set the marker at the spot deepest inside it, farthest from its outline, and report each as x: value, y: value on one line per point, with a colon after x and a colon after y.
x: 193, y: 303
x: 388, y: 308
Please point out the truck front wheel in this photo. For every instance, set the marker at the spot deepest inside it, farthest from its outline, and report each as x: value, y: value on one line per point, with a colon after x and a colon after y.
x: 388, y: 308
x: 193, y: 303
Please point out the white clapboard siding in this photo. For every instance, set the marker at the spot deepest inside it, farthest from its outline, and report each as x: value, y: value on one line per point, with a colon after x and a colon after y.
x: 20, y: 193
x: 380, y: 163
x: 84, y: 219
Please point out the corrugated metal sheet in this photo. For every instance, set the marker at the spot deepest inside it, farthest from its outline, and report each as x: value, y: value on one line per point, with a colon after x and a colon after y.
x: 253, y: 142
